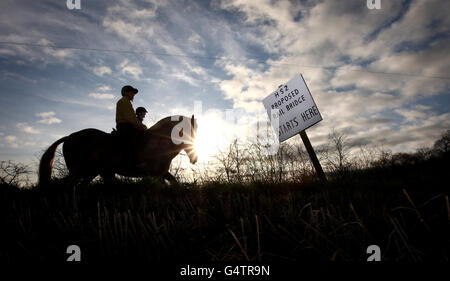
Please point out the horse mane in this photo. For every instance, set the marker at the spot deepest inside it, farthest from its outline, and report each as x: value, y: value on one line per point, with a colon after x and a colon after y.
x: 165, y: 123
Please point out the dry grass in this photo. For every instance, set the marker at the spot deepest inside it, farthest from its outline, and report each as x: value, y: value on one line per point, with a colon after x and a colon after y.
x: 403, y: 209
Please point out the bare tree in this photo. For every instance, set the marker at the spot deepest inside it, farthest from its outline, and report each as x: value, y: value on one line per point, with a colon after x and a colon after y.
x: 13, y: 173
x: 59, y: 169
x: 442, y: 145
x: 303, y: 165
x: 224, y: 157
x: 384, y: 157
x: 366, y: 157
x: 238, y: 159
x: 424, y: 153
x: 339, y: 151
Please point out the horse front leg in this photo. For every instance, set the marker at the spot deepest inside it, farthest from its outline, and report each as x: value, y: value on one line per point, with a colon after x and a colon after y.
x: 168, y: 176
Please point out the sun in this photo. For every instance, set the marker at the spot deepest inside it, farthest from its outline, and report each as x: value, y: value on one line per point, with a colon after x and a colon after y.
x: 205, y: 148
x: 209, y: 138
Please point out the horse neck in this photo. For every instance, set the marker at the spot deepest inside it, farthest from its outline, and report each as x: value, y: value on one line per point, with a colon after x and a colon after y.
x: 164, y: 132
x: 164, y: 129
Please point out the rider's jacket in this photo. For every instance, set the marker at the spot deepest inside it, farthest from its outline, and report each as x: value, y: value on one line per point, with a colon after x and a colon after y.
x: 125, y: 113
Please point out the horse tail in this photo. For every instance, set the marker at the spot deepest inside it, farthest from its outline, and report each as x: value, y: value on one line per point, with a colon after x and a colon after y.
x: 45, y: 166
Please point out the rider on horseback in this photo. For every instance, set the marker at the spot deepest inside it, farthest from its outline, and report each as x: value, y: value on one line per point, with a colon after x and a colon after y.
x: 125, y: 116
x: 140, y: 114
x: 129, y: 128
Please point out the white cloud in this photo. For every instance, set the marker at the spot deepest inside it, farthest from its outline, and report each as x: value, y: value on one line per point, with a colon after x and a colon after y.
x: 101, y: 70
x: 298, y: 36
x: 49, y: 121
x: 58, y: 53
x: 30, y: 54
x: 24, y: 127
x: 411, y: 115
x: 331, y: 30
x: 10, y: 141
x: 104, y: 88
x: 128, y: 68
x: 185, y: 77
x: 132, y: 23
x: 10, y: 138
x: 45, y: 114
x: 102, y: 96
x: 29, y: 143
x: 344, y: 34
x: 48, y: 118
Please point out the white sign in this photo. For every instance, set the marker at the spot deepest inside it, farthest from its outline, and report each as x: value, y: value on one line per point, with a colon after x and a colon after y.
x: 291, y: 108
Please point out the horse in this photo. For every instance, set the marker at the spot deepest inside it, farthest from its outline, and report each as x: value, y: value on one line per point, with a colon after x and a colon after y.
x: 92, y: 152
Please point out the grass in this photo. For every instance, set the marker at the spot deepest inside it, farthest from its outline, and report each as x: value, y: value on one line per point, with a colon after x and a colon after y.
x: 403, y: 209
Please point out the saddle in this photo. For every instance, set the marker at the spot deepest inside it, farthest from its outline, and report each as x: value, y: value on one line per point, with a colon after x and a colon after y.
x: 134, y: 140
x: 118, y: 138
x: 114, y: 132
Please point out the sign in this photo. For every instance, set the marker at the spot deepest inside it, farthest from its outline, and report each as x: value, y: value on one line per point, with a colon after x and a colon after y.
x: 291, y: 108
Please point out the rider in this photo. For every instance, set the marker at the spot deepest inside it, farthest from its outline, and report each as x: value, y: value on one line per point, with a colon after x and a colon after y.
x: 127, y: 124
x: 126, y: 119
x: 140, y: 114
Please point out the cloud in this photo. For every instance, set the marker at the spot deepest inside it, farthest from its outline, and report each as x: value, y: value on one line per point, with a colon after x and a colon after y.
x: 411, y: 135
x: 45, y: 114
x: 40, y: 55
x: 57, y: 53
x: 411, y: 115
x: 167, y: 50
x: 10, y: 141
x: 104, y: 88
x: 128, y: 68
x: 131, y: 22
x: 10, y: 138
x: 102, y: 96
x: 48, y: 118
x: 185, y: 77
x: 101, y: 70
x: 345, y: 52
x: 24, y: 127
x: 340, y: 34
x: 86, y: 102
x: 49, y: 121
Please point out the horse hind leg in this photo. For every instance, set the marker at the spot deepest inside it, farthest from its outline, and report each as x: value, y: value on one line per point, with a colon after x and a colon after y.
x: 79, y: 176
x: 80, y: 180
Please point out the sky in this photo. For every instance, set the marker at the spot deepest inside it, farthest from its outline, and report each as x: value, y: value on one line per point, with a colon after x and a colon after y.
x: 382, y: 76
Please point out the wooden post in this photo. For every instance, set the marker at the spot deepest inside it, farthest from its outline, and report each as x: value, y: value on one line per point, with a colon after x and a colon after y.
x: 313, y: 156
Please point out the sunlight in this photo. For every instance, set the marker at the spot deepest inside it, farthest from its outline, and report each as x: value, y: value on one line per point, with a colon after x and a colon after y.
x: 210, y: 137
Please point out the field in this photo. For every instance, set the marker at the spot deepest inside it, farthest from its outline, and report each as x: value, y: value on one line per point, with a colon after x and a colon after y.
x: 402, y: 208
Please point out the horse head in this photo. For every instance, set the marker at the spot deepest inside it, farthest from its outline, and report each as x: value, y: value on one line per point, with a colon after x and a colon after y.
x: 190, y: 147
x: 182, y: 131
x: 188, y: 140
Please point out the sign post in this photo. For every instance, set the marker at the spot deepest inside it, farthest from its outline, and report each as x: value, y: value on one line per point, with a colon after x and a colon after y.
x: 292, y: 110
x: 313, y: 156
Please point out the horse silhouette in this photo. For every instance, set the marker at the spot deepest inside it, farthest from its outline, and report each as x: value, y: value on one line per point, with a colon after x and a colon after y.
x: 91, y: 152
